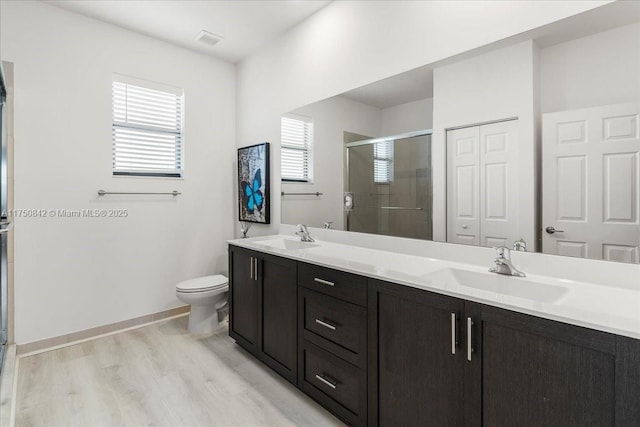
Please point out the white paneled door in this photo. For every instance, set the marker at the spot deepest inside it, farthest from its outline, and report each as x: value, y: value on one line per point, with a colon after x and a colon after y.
x: 591, y: 185
x: 463, y: 205
x: 482, y: 185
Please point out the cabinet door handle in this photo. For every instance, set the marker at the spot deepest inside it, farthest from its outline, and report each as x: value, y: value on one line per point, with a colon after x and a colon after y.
x: 255, y: 275
x: 324, y: 282
x: 251, y: 269
x: 454, y: 343
x: 326, y: 324
x: 328, y: 382
x: 469, y: 338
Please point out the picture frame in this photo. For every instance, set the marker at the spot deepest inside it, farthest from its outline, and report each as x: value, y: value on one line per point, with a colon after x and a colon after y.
x: 254, y: 202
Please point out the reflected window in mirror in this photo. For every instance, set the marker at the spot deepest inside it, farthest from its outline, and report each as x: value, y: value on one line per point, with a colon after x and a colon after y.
x: 383, y: 162
x: 296, y: 148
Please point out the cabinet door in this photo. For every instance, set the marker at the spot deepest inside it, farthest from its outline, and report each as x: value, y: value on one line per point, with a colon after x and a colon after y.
x: 537, y: 372
x: 243, y: 298
x: 277, y: 309
x: 414, y: 360
x: 627, y: 382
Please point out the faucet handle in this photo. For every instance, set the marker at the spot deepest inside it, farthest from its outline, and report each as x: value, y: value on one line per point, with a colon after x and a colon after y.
x: 520, y: 245
x: 302, y: 228
x: 501, y: 251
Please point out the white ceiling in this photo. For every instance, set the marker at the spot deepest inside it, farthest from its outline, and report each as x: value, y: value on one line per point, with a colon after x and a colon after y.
x: 400, y: 89
x: 244, y: 25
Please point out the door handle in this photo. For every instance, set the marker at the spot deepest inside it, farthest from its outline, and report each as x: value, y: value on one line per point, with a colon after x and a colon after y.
x: 255, y: 274
x: 552, y: 230
x: 251, y: 268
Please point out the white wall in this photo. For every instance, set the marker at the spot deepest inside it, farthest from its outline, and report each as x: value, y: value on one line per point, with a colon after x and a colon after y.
x: 600, y: 69
x: 349, y: 44
x: 409, y: 117
x: 331, y: 118
x: 493, y: 86
x: 76, y: 273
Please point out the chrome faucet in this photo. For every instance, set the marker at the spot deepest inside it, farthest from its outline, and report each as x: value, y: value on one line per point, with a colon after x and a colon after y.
x: 304, y: 233
x: 503, y: 263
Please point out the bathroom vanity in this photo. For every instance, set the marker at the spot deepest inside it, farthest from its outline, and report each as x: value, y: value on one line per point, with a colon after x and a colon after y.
x: 381, y: 338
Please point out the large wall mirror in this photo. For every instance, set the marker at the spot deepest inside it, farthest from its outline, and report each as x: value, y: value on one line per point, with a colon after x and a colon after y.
x: 534, y: 140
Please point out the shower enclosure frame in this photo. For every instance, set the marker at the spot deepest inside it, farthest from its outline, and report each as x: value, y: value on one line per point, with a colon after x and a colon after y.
x: 3, y: 220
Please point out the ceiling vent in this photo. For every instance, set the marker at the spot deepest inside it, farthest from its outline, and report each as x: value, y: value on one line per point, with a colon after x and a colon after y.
x: 208, y: 38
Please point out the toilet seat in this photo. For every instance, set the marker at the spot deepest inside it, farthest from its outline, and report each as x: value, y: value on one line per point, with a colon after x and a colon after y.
x: 203, y: 284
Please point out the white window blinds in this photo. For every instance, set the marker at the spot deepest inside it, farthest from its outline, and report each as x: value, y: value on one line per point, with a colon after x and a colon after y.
x: 383, y: 162
x: 147, y: 128
x: 296, y: 144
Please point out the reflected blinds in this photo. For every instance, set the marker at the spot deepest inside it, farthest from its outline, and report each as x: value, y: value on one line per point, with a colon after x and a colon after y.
x: 383, y: 162
x: 296, y: 143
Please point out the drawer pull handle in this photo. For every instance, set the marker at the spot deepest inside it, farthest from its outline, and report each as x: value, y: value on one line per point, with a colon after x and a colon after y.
x: 326, y: 381
x: 326, y: 324
x: 324, y: 282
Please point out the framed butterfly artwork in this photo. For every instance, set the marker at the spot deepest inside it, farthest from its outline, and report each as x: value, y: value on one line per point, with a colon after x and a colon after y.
x: 253, y: 183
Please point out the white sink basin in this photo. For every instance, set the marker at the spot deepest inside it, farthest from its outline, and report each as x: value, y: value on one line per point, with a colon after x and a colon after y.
x: 286, y: 244
x: 520, y: 287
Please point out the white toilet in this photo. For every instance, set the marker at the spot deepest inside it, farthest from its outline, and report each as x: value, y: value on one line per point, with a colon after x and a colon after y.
x: 205, y: 295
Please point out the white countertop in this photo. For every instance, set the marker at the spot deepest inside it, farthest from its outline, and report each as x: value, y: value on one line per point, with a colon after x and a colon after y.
x: 592, y: 305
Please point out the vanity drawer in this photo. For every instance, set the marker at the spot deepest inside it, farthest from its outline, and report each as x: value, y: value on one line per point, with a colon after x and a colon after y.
x: 334, y: 383
x: 345, y: 286
x: 340, y: 322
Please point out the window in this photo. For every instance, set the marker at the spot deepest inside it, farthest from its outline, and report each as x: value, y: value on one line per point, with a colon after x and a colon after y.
x: 297, y: 141
x: 383, y: 162
x: 147, y: 131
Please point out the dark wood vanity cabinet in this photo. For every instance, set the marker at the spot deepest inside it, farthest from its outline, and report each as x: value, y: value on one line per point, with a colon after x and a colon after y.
x: 509, y: 369
x: 332, y: 340
x: 537, y: 372
x: 378, y: 353
x: 262, y: 308
x: 416, y: 362
x: 243, y: 298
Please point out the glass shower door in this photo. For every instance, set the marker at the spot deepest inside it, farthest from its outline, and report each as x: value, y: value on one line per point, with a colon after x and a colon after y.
x: 390, y: 179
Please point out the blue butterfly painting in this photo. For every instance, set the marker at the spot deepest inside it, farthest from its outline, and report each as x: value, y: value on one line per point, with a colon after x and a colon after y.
x: 253, y: 197
x: 253, y: 183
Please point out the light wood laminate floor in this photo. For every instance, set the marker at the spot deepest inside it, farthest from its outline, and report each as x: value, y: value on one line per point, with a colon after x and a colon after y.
x: 158, y: 375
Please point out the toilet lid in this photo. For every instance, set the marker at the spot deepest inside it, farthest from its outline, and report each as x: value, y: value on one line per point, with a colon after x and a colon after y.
x: 205, y: 283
